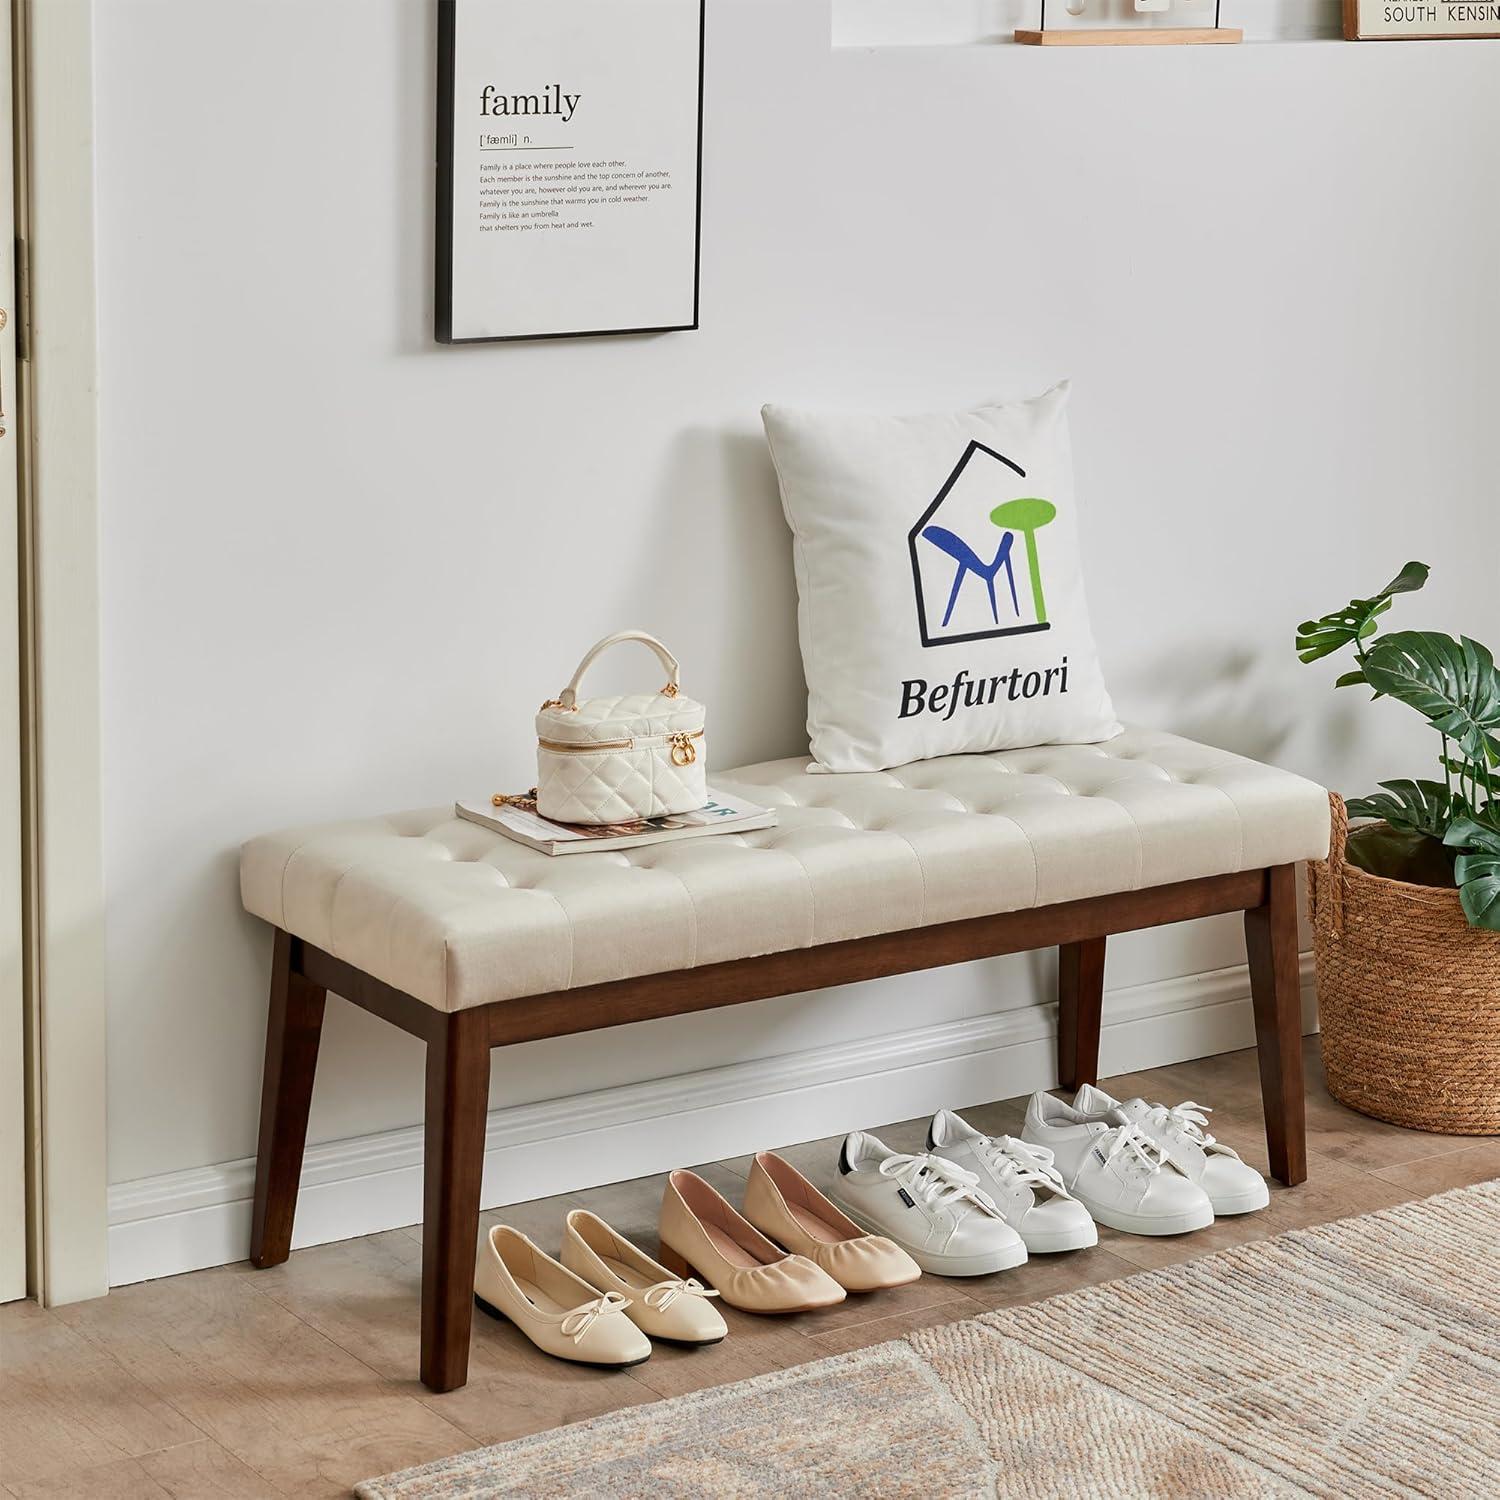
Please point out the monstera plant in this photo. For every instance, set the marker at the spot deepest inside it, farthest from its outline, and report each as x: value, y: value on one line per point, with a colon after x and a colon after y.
x: 1434, y: 832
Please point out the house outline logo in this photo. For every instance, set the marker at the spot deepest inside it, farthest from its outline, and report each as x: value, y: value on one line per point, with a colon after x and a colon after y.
x: 1015, y: 521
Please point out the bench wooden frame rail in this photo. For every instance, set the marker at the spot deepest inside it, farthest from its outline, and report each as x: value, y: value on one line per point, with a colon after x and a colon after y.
x: 459, y: 1043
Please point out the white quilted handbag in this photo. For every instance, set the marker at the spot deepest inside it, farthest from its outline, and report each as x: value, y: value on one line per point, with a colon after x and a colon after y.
x: 614, y: 760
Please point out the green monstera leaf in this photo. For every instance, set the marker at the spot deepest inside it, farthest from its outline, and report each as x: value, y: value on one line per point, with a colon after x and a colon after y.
x: 1356, y: 621
x: 1479, y: 889
x: 1452, y: 683
x: 1477, y: 871
x: 1425, y: 807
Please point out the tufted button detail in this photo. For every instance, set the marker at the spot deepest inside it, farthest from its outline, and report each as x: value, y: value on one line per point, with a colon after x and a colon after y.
x: 953, y: 838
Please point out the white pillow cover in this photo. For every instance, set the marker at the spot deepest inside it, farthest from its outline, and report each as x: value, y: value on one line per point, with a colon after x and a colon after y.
x: 940, y: 597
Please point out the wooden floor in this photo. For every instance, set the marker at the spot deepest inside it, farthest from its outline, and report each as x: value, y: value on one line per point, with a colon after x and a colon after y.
x: 302, y: 1380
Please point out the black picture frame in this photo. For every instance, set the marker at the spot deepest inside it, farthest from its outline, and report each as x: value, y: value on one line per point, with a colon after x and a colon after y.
x: 447, y: 56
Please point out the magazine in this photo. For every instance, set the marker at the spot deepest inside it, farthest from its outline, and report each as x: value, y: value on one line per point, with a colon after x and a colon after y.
x: 518, y: 819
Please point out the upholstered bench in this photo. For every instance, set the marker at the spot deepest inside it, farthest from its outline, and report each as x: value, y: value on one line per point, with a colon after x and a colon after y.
x: 471, y: 941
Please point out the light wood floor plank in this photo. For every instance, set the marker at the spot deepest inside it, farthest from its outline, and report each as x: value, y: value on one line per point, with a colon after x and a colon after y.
x: 288, y: 1402
x: 206, y: 1468
x: 532, y: 1393
x: 1047, y: 1276
x: 120, y: 1479
x: 65, y: 1404
x: 897, y: 1325
x: 1453, y: 1169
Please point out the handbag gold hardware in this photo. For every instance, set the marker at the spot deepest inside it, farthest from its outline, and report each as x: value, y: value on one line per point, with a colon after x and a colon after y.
x: 588, y: 747
x: 524, y: 800
x: 680, y: 743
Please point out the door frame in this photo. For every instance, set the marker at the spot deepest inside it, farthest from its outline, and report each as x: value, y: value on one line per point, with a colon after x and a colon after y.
x: 64, y: 872
x: 13, y: 1133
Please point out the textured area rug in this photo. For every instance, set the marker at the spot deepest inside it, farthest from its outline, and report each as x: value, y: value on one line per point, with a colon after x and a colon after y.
x: 1360, y: 1358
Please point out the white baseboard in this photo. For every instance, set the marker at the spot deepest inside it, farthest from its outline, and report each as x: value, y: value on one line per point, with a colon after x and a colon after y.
x: 182, y: 1221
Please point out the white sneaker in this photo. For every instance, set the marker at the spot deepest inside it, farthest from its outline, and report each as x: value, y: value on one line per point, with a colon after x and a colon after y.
x: 1022, y: 1182
x: 1182, y: 1134
x: 1115, y: 1170
x: 933, y: 1209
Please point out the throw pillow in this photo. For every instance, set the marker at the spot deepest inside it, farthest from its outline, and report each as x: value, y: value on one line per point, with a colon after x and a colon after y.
x: 940, y: 597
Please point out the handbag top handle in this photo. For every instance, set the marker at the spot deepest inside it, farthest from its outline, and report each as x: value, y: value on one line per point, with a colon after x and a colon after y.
x: 568, y: 698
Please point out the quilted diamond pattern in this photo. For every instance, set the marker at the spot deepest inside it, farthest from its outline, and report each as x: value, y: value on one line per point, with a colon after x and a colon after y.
x: 458, y: 916
x: 615, y: 786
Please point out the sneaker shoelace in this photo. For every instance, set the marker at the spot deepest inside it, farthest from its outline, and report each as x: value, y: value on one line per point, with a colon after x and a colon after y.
x: 1139, y: 1151
x: 1190, y: 1121
x: 1016, y: 1161
x: 936, y: 1180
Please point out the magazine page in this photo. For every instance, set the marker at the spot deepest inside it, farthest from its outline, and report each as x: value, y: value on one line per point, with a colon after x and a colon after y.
x: 720, y: 810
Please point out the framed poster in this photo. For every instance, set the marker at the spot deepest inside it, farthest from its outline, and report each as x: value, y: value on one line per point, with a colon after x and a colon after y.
x: 1391, y: 20
x: 570, y: 149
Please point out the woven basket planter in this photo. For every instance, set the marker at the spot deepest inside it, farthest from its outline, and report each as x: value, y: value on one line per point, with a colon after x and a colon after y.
x: 1408, y: 998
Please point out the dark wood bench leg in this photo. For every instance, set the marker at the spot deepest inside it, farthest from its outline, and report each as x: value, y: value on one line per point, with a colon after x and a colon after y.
x: 458, y: 1083
x: 1276, y: 993
x: 294, y: 1024
x: 1080, y: 1003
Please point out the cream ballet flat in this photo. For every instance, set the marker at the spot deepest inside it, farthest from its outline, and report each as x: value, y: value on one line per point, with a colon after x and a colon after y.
x: 782, y: 1203
x: 561, y: 1314
x: 671, y: 1309
x: 701, y: 1233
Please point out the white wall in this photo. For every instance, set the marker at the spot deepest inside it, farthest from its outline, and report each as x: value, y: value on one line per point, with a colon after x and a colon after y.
x: 342, y: 564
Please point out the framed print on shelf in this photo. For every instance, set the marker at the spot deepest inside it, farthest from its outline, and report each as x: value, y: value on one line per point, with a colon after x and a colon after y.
x: 1394, y: 20
x: 569, y: 174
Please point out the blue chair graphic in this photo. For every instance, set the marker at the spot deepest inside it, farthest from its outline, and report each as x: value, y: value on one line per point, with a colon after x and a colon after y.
x: 969, y: 561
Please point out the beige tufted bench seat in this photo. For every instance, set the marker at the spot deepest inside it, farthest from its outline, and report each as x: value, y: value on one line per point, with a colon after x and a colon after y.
x: 471, y: 941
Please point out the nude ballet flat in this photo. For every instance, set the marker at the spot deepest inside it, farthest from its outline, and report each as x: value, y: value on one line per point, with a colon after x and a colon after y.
x: 561, y: 1314
x: 671, y: 1309
x: 701, y: 1232
x: 780, y: 1201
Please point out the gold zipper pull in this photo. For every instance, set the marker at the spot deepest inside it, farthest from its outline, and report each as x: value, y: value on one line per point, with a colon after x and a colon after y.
x: 684, y: 751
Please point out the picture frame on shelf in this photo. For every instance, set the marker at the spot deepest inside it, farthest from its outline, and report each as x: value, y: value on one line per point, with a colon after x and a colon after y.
x: 1420, y: 20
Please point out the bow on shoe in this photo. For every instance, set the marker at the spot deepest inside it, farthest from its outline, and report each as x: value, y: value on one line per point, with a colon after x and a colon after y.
x: 581, y: 1319
x: 661, y: 1296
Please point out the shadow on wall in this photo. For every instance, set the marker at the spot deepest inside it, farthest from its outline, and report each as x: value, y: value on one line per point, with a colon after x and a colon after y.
x: 714, y: 567
x: 1222, y: 695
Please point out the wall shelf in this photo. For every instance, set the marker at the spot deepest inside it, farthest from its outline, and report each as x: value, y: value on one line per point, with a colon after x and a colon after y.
x: 1115, y: 36
x: 893, y: 24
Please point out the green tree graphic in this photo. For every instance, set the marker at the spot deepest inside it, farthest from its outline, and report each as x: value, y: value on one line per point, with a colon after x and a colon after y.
x: 1028, y: 517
